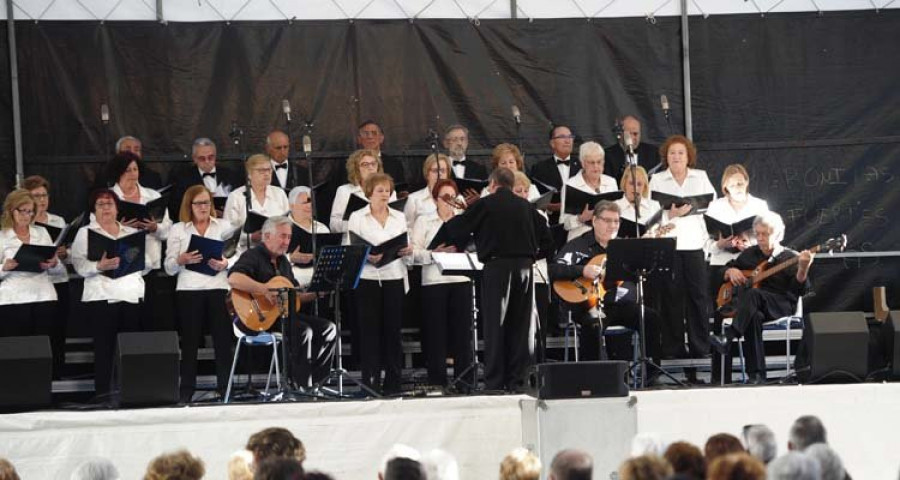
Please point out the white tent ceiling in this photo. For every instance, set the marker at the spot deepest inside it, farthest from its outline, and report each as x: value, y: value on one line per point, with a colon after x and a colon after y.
x: 245, y: 10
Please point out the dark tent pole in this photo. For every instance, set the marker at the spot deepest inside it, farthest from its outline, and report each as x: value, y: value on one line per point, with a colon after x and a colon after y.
x: 14, y: 87
x: 686, y: 67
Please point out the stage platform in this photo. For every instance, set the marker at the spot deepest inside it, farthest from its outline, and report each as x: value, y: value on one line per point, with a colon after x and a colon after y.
x: 348, y: 438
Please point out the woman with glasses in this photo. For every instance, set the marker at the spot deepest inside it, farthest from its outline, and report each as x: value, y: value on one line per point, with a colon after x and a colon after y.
x: 199, y: 295
x: 27, y: 298
x: 113, y: 303
x: 262, y: 197
x: 421, y: 202
x: 360, y: 166
x: 590, y: 179
x: 507, y: 155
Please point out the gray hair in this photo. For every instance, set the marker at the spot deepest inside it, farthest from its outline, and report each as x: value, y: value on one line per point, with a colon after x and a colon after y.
x: 590, y: 148
x: 122, y: 140
x: 272, y: 224
x: 806, y: 430
x: 830, y: 464
x: 572, y: 464
x: 761, y: 442
x: 95, y: 469
x: 456, y: 126
x: 774, y: 222
x: 793, y: 466
x: 201, y: 142
x: 296, y: 191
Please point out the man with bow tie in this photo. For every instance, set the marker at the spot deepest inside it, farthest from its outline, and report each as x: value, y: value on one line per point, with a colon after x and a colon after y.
x: 456, y: 141
x: 556, y: 170
x: 647, y: 154
x: 287, y: 174
x: 204, y: 171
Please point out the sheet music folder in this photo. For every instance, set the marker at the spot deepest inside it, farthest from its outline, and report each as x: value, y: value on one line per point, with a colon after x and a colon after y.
x: 389, y: 249
x: 699, y: 203
x: 31, y: 256
x: 129, y: 249
x: 209, y: 248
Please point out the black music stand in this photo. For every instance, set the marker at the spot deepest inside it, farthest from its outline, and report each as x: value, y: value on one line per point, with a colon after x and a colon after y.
x: 287, y: 299
x: 466, y: 265
x: 635, y: 259
x: 338, y: 268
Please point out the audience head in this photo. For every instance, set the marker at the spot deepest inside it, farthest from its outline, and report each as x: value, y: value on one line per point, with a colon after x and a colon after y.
x: 444, y: 184
x: 103, y: 198
x: 678, y: 152
x: 736, y: 466
x: 440, y: 465
x: 794, y: 466
x: 592, y: 158
x: 179, y: 465
x: 299, y: 195
x: 830, y: 465
x: 520, y: 464
x: 240, y: 465
x: 735, y: 181
x: 501, y: 178
x: 95, y: 469
x: 645, y: 467
x: 760, y: 442
x: 18, y: 209
x: 402, y: 468
x: 571, y: 464
x: 806, y: 430
x: 643, y: 443
x: 279, y: 468
x: 316, y: 475
x: 686, y: 459
x: 7, y: 470
x: 721, y: 444
x: 361, y: 164
x: 129, y: 144
x: 275, y: 441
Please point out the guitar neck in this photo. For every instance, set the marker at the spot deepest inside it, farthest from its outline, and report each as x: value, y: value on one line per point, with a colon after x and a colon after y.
x: 781, y: 266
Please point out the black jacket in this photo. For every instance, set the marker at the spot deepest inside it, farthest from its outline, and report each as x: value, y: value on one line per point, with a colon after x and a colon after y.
x: 614, y: 164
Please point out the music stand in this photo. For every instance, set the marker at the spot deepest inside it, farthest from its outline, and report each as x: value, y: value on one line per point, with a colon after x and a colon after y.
x: 635, y: 259
x: 466, y: 265
x: 338, y: 268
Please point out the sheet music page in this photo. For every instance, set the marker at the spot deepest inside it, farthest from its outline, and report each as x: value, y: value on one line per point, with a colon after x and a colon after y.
x: 451, y: 261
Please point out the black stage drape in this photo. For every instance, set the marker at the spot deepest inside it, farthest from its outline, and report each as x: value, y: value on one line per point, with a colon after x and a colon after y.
x: 806, y: 102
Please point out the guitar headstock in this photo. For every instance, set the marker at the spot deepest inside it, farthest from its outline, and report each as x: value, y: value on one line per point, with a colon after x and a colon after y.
x: 831, y: 245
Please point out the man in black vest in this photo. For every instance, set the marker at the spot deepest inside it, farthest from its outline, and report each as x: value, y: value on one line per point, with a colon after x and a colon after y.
x: 647, y: 154
x: 557, y: 170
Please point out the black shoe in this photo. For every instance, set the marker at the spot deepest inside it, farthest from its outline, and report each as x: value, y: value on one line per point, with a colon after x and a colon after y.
x: 756, y: 378
x: 720, y: 343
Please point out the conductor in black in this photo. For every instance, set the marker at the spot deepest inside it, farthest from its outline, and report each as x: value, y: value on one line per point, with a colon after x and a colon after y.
x: 509, y: 236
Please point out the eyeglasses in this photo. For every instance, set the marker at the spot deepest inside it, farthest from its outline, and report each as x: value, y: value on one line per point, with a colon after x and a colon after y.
x: 456, y: 139
x: 564, y: 137
x: 104, y: 204
x: 369, y: 133
x: 609, y: 221
x: 39, y: 196
x: 25, y: 212
x: 207, y: 158
x: 202, y: 203
x: 368, y: 164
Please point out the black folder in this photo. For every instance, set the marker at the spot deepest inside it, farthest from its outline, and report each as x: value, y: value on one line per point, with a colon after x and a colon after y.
x: 388, y: 249
x: 129, y: 249
x: 219, y: 202
x: 716, y: 228
x: 30, y: 257
x: 356, y: 202
x: 626, y: 227
x: 699, y: 203
x: 65, y: 235
x: 254, y: 222
x: 443, y: 237
x: 576, y: 199
x: 475, y: 184
x: 543, y: 201
x: 209, y: 248
x: 303, y: 239
x: 155, y: 210
x: 232, y: 239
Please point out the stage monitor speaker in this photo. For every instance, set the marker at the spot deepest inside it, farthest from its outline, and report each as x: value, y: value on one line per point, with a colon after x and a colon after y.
x: 147, y: 366
x: 838, y: 346
x: 26, y: 363
x: 581, y: 379
x: 892, y: 341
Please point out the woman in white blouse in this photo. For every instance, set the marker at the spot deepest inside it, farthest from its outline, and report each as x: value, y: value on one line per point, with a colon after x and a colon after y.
x: 39, y: 188
x: 27, y: 299
x: 507, y: 155
x: 636, y: 187
x: 446, y: 299
x: 199, y: 297
x: 361, y: 164
x: 686, y: 298
x: 124, y: 170
x: 589, y: 179
x: 420, y: 202
x: 379, y: 298
x: 265, y: 198
x: 301, y: 215
x: 114, y: 304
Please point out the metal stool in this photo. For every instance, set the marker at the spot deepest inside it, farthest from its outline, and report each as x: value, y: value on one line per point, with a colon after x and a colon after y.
x: 264, y: 339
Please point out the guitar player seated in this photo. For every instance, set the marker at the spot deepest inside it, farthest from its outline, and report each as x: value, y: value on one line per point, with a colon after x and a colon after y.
x: 618, y: 302
x: 775, y: 297
x: 261, y: 264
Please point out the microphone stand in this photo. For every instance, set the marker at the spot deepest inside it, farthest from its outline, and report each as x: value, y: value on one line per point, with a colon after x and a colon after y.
x: 287, y: 130
x: 632, y: 162
x: 312, y: 199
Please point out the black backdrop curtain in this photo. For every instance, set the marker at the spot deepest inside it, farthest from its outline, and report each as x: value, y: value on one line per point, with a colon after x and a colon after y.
x: 806, y: 102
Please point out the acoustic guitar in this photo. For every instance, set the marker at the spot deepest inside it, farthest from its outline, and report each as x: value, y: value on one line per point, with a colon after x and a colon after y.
x: 728, y: 293
x: 255, y: 313
x: 583, y: 290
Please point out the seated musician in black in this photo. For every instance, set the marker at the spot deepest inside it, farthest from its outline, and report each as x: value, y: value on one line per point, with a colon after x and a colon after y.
x: 619, y: 305
x: 776, y: 296
x: 312, y: 349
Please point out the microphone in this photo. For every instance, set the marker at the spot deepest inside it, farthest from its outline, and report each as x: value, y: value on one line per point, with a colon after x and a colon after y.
x: 235, y: 134
x: 104, y: 113
x: 664, y: 101
x: 629, y: 146
x: 307, y: 144
x: 517, y: 115
x: 286, y: 108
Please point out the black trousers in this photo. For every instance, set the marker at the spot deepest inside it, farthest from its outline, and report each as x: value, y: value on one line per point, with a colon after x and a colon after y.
x: 686, y: 301
x: 107, y: 321
x: 311, y: 342
x: 379, y: 309
x: 542, y: 303
x: 59, y: 327
x: 158, y: 313
x: 447, y: 322
x: 755, y: 307
x: 624, y: 313
x: 26, y: 319
x: 196, y: 308
x: 507, y: 293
